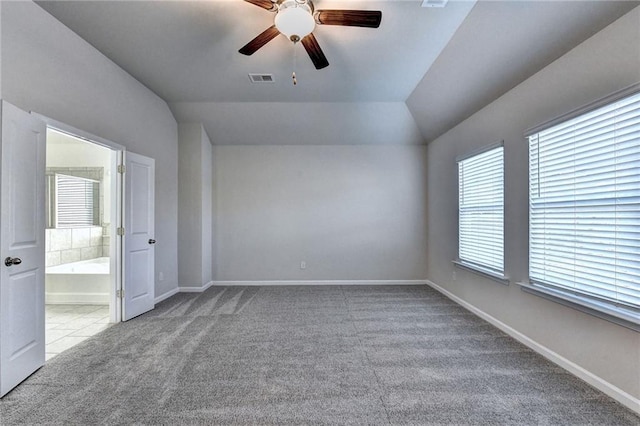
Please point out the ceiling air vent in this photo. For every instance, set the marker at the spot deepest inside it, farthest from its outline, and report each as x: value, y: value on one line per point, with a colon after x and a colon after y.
x: 434, y: 3
x: 261, y: 78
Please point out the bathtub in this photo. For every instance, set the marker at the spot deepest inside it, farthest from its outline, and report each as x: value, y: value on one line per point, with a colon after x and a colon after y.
x: 83, y: 282
x: 98, y: 266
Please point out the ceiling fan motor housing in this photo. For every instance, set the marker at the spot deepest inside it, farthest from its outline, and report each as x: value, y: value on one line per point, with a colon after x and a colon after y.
x: 295, y: 19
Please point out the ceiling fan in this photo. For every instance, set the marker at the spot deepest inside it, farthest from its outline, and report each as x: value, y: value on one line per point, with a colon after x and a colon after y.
x: 296, y: 19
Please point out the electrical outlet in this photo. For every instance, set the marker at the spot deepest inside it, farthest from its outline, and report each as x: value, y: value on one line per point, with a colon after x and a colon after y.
x: 161, y: 276
x: 303, y: 265
x: 453, y: 276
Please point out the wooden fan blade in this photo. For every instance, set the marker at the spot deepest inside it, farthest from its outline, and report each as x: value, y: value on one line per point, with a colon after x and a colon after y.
x: 265, y: 4
x: 265, y: 37
x: 350, y: 18
x: 315, y: 52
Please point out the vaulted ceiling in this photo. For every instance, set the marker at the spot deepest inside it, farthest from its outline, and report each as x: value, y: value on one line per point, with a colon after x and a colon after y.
x: 444, y: 63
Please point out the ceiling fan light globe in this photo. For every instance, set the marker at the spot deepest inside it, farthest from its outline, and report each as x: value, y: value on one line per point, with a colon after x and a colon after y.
x: 295, y: 21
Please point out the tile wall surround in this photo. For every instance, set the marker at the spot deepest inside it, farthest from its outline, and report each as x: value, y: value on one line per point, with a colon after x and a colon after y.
x: 66, y: 245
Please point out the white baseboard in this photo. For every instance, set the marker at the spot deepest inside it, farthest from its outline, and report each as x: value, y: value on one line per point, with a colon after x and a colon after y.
x: 177, y: 290
x: 285, y: 283
x: 195, y: 289
x: 320, y: 282
x: 76, y: 298
x: 597, y: 382
x: 166, y: 295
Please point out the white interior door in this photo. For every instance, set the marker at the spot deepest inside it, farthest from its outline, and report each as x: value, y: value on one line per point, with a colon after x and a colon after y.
x: 138, y: 242
x: 22, y: 344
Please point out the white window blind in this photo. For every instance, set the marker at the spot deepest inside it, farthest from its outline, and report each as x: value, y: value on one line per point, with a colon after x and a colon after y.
x: 481, y: 210
x: 584, y: 209
x: 74, y: 199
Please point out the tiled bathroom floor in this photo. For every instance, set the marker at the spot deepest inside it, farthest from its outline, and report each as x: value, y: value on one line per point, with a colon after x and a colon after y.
x: 68, y: 325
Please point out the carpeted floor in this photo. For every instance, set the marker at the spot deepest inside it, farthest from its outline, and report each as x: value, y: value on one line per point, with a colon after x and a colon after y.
x: 312, y: 355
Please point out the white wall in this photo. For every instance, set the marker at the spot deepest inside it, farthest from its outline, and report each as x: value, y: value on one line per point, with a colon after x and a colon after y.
x: 48, y: 69
x: 349, y: 212
x: 195, y: 257
x: 607, y: 62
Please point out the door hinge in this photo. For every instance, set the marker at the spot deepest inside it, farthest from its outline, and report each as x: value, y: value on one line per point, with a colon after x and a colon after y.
x: 120, y: 294
x: 121, y: 168
x: 120, y: 231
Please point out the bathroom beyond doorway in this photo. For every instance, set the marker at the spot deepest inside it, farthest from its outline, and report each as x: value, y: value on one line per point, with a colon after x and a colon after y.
x: 78, y: 275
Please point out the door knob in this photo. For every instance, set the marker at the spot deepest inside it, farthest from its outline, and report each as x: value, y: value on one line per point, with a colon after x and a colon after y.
x: 152, y: 241
x: 12, y: 261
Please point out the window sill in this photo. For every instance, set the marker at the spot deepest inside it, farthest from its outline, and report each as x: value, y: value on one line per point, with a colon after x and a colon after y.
x: 603, y: 310
x: 483, y: 272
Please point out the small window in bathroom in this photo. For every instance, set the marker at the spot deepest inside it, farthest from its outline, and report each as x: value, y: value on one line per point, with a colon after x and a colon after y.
x: 77, y: 201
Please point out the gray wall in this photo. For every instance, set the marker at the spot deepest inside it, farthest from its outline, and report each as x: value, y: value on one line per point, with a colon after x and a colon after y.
x: 607, y: 62
x: 189, y: 199
x: 195, y: 257
x: 350, y: 212
x: 48, y: 69
x: 206, y: 161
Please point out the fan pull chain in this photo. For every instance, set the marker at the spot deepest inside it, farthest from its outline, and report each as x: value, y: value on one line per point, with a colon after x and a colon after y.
x: 295, y: 56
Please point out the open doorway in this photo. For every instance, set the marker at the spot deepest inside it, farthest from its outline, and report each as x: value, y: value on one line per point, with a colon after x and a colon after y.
x: 79, y: 256
x: 24, y: 191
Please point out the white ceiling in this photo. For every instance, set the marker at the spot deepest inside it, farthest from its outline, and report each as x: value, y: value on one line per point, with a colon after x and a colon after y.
x: 444, y: 63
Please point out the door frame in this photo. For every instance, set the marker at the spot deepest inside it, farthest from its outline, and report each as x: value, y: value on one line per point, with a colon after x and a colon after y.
x: 115, y: 248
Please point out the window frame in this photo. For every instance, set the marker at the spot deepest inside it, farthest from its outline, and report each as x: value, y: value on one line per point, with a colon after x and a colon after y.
x: 90, y: 186
x: 623, y: 315
x: 486, y: 271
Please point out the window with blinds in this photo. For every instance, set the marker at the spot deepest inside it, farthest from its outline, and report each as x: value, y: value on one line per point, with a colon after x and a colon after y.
x: 481, y: 210
x: 584, y: 209
x: 75, y: 199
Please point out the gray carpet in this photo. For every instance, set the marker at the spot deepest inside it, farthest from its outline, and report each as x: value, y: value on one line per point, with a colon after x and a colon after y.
x: 310, y: 355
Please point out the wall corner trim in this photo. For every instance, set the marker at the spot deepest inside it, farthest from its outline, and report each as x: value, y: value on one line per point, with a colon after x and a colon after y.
x: 597, y: 382
x: 319, y: 282
x: 177, y: 290
x: 166, y: 295
x: 195, y: 289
